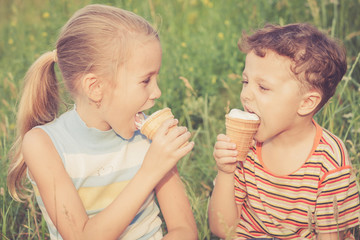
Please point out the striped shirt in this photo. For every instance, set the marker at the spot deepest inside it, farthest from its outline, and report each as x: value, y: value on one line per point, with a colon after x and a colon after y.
x: 320, y: 197
x: 101, y: 164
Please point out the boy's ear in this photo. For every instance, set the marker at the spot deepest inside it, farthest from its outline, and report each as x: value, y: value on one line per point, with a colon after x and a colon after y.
x: 93, y: 87
x: 309, y: 103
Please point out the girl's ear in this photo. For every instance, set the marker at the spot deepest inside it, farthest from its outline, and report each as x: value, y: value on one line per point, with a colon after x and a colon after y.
x: 309, y: 102
x: 93, y: 87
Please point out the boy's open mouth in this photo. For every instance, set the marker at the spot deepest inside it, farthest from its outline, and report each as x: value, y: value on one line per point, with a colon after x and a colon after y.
x: 250, y: 111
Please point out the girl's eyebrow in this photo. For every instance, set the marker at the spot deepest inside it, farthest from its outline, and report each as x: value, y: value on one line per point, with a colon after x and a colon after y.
x: 151, y: 73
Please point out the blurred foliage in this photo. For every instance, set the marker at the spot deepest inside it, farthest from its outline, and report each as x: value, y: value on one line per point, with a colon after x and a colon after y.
x: 200, y: 76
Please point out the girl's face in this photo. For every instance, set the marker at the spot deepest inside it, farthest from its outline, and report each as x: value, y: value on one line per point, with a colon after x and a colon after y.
x: 271, y: 91
x: 136, y: 89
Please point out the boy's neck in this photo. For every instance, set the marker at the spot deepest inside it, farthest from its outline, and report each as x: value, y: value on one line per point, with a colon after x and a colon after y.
x: 287, y: 152
x: 300, y: 132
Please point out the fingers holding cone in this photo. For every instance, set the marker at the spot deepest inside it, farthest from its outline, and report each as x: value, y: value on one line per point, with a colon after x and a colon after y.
x: 156, y: 120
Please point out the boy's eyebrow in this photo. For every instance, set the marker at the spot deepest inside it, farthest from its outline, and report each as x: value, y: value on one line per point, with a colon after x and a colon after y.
x: 263, y: 80
x: 256, y: 78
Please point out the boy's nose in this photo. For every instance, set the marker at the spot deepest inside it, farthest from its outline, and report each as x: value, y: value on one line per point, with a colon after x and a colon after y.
x: 246, y: 94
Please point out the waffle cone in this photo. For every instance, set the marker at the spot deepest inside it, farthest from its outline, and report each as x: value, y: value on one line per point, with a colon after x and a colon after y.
x: 154, y: 121
x: 241, y: 132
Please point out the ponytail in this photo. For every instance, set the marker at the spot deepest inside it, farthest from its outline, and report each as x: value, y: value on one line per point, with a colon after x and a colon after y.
x: 38, y: 105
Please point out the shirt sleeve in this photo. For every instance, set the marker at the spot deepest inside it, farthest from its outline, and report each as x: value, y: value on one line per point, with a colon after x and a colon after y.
x: 239, y: 182
x: 337, y: 205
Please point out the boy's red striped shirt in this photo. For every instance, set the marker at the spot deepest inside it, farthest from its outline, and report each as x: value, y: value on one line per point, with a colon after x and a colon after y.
x: 323, y: 191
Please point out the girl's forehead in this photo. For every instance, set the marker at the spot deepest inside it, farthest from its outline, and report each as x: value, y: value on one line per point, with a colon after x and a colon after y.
x: 143, y: 59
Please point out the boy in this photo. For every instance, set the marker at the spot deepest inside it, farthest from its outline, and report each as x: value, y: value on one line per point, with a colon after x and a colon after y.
x: 297, y: 181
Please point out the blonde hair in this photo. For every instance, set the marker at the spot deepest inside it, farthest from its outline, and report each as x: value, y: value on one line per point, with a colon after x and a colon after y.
x: 96, y: 39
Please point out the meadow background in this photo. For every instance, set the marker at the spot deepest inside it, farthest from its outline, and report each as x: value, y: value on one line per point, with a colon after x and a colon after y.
x: 200, y: 77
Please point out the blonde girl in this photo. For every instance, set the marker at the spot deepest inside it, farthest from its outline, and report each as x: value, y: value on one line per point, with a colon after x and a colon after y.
x: 93, y: 174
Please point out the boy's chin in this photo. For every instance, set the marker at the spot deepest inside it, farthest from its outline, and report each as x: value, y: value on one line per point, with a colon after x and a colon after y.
x: 259, y: 139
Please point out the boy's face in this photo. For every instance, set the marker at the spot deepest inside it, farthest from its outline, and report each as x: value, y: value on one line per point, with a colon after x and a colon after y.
x: 271, y: 91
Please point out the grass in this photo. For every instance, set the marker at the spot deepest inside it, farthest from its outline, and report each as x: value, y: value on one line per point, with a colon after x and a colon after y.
x: 199, y: 77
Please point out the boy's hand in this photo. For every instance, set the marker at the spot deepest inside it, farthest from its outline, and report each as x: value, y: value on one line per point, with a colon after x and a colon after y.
x: 225, y: 154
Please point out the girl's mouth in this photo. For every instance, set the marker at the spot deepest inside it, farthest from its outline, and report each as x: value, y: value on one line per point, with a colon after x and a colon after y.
x: 139, y: 120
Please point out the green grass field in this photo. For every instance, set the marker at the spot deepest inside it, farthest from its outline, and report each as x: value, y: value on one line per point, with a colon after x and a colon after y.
x: 199, y: 79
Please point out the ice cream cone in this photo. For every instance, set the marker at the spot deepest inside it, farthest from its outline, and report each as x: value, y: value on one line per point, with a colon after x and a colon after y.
x: 154, y: 121
x: 241, y: 132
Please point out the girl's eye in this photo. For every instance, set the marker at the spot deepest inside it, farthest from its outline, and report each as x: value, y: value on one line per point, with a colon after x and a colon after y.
x: 146, y: 81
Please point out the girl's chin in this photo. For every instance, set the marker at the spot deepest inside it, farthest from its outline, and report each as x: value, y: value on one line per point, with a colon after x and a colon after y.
x: 128, y: 133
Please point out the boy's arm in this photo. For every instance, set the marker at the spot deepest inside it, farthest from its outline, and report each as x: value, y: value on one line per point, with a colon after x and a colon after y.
x: 331, y: 236
x: 223, y: 210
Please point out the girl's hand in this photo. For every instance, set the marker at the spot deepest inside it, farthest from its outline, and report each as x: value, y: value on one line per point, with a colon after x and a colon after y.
x: 225, y: 154
x: 167, y: 147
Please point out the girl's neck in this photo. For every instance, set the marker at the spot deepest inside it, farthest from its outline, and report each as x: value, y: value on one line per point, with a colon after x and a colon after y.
x: 91, y: 116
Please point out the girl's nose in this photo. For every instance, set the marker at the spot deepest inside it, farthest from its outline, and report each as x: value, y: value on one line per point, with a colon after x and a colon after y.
x: 156, y: 92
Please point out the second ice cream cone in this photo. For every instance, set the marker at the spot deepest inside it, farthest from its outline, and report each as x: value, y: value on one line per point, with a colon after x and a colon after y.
x: 241, y: 132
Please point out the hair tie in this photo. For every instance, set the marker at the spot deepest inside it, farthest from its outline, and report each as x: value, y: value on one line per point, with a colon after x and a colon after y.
x: 55, y: 58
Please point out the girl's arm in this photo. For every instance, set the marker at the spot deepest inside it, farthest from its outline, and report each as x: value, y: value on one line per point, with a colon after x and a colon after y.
x: 63, y: 203
x: 223, y: 210
x: 175, y: 207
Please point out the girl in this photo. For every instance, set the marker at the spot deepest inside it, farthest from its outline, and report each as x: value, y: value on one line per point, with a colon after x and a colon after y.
x: 92, y: 172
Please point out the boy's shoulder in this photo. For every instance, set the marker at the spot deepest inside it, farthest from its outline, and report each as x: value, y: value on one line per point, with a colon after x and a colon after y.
x: 333, y: 149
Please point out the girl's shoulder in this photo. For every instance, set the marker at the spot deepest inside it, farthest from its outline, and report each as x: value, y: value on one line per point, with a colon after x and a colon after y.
x: 37, y: 147
x: 35, y: 138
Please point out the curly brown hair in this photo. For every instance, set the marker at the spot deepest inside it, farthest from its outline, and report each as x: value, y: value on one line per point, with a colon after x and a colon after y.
x: 318, y: 61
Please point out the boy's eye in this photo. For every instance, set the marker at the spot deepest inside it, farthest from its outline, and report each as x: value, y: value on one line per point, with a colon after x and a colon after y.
x: 263, y: 88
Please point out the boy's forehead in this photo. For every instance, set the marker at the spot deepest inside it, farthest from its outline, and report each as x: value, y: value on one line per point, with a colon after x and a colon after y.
x: 268, y: 53
x: 271, y: 64
x: 270, y: 58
